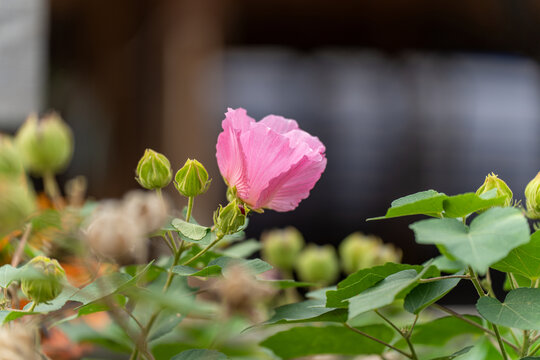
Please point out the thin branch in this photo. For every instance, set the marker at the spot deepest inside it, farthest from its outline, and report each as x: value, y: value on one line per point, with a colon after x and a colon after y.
x: 444, y: 277
x: 401, y: 333
x: 475, y: 324
x: 377, y: 340
x: 16, y: 259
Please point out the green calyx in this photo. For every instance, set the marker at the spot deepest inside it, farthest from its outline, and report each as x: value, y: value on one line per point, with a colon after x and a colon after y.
x: 46, y: 145
x: 153, y: 170
x: 493, y: 182
x: 229, y: 219
x: 44, y: 280
x: 532, y: 196
x: 192, y: 179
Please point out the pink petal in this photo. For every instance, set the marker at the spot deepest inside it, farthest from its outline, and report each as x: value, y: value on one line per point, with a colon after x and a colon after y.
x: 269, y: 155
x: 285, y: 191
x: 279, y: 124
x: 298, y: 136
x: 229, y: 152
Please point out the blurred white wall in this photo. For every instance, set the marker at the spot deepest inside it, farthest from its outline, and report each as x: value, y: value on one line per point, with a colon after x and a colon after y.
x: 23, y: 37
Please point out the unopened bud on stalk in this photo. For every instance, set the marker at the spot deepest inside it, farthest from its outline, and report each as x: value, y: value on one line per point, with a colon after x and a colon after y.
x: 280, y: 247
x: 44, y: 280
x: 192, y: 179
x: 532, y: 196
x: 153, y: 170
x: 17, y: 203
x: 45, y: 145
x: 493, y: 182
x: 10, y: 161
x: 358, y: 251
x: 318, y: 264
x: 229, y: 219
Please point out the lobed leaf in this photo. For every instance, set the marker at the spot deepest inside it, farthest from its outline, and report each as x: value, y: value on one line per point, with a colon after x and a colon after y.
x: 305, y: 341
x: 428, y: 202
x: 427, y: 293
x: 520, y: 310
x: 490, y: 237
x: 523, y: 260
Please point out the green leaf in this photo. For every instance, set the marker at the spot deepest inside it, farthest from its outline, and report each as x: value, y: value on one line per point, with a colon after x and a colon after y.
x: 306, y: 311
x: 520, y: 310
x: 461, y: 205
x: 212, y: 270
x: 524, y: 260
x: 304, y: 341
x: 427, y: 293
x: 362, y: 280
x: 165, y: 323
x: 490, y: 237
x: 446, y: 328
x: 256, y: 266
x: 395, y: 286
x: 215, y: 267
x: 189, y: 230
x: 8, y: 274
x: 45, y: 219
x: 10, y: 315
x: 200, y: 354
x: 244, y: 249
x: 428, y: 202
x: 449, y: 266
x: 456, y: 354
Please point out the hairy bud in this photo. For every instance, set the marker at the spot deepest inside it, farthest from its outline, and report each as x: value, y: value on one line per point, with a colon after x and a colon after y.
x: 318, y: 264
x: 154, y: 170
x: 44, y: 279
x: 45, y: 145
x: 192, y: 179
x: 280, y: 247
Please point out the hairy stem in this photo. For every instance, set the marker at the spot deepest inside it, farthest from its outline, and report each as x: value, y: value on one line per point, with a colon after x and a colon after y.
x: 189, y: 207
x: 377, y: 340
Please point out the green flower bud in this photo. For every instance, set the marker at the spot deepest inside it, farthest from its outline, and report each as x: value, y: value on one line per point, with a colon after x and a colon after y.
x: 532, y: 196
x: 45, y: 145
x: 10, y: 161
x: 281, y: 247
x: 192, y: 179
x: 17, y: 202
x: 493, y: 182
x: 358, y: 251
x: 44, y: 280
x: 388, y: 253
x: 153, y: 170
x: 229, y: 219
x: 318, y: 264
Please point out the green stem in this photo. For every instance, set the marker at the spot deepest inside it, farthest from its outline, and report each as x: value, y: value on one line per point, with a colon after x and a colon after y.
x: 413, y: 355
x: 189, y: 207
x: 134, y: 354
x: 481, y: 293
x: 32, y: 307
x: 203, y: 251
x: 444, y: 277
x: 51, y: 189
x: 377, y: 340
x: 534, y: 350
x: 526, y: 344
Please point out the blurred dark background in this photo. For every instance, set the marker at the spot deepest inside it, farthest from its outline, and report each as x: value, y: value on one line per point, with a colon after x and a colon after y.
x: 406, y: 95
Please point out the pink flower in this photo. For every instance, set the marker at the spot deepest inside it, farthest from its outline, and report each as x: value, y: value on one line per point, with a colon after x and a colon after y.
x: 272, y: 163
